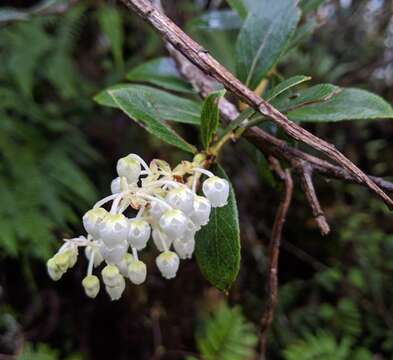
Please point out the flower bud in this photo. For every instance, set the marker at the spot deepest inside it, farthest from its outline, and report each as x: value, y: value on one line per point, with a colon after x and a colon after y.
x: 137, y: 271
x: 113, y: 229
x: 200, y: 215
x: 91, y: 284
x: 216, y: 190
x: 173, y: 223
x: 168, y: 264
x: 116, y: 291
x: 181, y: 198
x: 160, y: 238
x: 138, y: 233
x: 157, y: 209
x: 113, y: 255
x: 110, y: 275
x: 73, y: 258
x: 62, y: 260
x: 53, y: 270
x: 98, y: 259
x: 115, y: 186
x: 91, y: 220
x: 184, y: 249
x: 118, y: 185
x: 129, y: 167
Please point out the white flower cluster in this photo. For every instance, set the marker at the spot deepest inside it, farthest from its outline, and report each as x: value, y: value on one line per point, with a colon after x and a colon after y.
x: 164, y: 206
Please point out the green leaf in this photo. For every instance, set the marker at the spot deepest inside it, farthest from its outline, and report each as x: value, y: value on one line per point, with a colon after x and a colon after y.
x: 239, y: 7
x: 217, y: 20
x: 263, y: 38
x: 166, y: 105
x: 285, y: 85
x: 218, y: 243
x: 111, y: 24
x: 349, y: 104
x: 210, y: 117
x: 161, y: 72
x: 311, y: 95
x: 140, y: 106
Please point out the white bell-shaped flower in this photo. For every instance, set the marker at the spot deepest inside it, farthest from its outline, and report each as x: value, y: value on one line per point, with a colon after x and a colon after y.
x: 137, y: 272
x: 113, y: 255
x: 201, y: 213
x: 168, y: 264
x: 53, y: 270
x: 161, y: 239
x: 184, y: 249
x: 92, y: 219
x: 117, y: 290
x: 216, y: 190
x: 138, y: 233
x: 98, y: 259
x: 157, y: 208
x: 113, y: 229
x: 129, y: 167
x: 174, y: 223
x: 181, y: 198
x: 91, y: 284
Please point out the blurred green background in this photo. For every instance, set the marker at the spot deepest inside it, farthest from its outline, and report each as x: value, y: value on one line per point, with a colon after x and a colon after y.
x: 58, y: 151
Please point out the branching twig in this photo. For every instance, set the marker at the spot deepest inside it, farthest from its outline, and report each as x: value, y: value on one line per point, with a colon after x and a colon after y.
x: 274, y: 251
x: 199, y: 56
x: 305, y: 173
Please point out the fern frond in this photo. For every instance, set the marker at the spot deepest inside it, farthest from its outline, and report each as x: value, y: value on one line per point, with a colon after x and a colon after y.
x: 227, y: 335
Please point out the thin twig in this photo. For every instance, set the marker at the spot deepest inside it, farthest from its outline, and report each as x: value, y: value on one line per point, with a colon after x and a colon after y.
x: 194, y: 52
x: 305, y: 173
x: 274, y: 252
